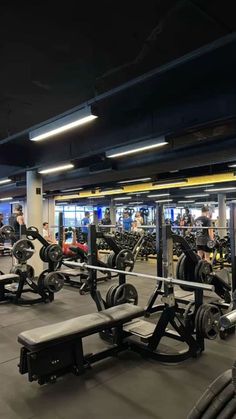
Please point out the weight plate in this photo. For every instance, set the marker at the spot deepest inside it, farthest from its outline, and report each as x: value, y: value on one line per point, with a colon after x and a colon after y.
x: 219, y: 402
x: 189, y: 316
x: 210, y: 321
x: 42, y: 254
x: 125, y: 260
x: 6, y: 231
x: 30, y: 271
x: 23, y: 250
x: 53, y: 281
x: 31, y: 228
x: 54, y: 253
x: 198, y: 320
x: 202, y: 272
x: 110, y: 295
x: 213, y: 390
x: 178, y: 266
x: 229, y: 410
x: 126, y: 293
x: 111, y: 260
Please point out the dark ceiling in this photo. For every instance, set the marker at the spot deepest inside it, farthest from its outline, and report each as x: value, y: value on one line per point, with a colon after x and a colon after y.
x: 55, y: 55
x: 173, y: 65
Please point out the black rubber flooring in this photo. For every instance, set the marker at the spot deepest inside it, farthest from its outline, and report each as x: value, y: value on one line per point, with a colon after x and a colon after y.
x: 124, y: 387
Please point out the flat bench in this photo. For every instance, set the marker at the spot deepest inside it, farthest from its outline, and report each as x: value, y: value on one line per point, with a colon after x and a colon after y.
x: 51, y: 351
x: 8, y: 278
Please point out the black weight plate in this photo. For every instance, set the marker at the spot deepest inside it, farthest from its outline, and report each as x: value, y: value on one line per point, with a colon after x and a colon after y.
x: 126, y: 293
x: 229, y: 410
x: 210, y: 316
x: 42, y: 254
x: 53, y: 281
x: 32, y: 228
x: 185, y: 272
x: 54, y: 253
x: 110, y: 295
x: 23, y: 250
x: 198, y: 319
x: 189, y: 315
x: 213, y: 390
x: 178, y: 266
x: 111, y: 260
x: 41, y: 277
x: 30, y: 271
x: 219, y: 402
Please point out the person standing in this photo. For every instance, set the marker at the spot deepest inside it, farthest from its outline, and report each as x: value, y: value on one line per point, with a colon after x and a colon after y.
x: 127, y: 221
x: 85, y: 222
x: 16, y: 220
x: 138, y: 219
x: 46, y: 233
x: 106, y: 221
x: 203, y: 235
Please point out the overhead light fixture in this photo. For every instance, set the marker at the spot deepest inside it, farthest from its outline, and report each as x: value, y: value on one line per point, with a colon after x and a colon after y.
x: 206, y: 203
x: 121, y: 198
x: 62, y: 124
x: 233, y: 188
x: 136, y: 203
x: 158, y: 195
x: 111, y: 190
x: 3, y: 181
x: 56, y: 169
x: 137, y: 147
x: 71, y: 190
x: 196, y: 187
x: 200, y: 195
x: 186, y: 202
x: 95, y: 196
x: 62, y: 203
x: 9, y: 198
x: 119, y: 204
x: 139, y: 193
x: 144, y: 179
x: 163, y: 200
x: 232, y: 165
x: 168, y: 183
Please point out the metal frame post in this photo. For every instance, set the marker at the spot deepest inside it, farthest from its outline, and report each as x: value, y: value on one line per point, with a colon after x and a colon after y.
x: 60, y: 229
x: 159, y: 211
x: 232, y: 230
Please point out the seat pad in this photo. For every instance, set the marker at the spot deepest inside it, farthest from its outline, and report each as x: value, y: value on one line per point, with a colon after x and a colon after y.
x: 8, y: 277
x: 81, y: 326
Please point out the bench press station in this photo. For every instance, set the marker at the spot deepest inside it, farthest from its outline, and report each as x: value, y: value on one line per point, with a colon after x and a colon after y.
x: 54, y: 350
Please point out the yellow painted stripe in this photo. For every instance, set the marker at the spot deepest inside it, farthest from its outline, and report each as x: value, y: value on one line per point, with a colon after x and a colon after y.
x: 193, y: 181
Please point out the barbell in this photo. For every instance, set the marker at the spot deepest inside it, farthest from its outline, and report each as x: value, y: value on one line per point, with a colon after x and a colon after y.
x: 168, y: 280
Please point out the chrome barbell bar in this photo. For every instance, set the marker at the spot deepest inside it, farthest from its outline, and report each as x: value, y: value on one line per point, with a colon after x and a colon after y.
x: 169, y: 280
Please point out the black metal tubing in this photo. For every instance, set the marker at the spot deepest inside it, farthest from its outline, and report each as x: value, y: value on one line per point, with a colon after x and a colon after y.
x: 159, y: 212
x: 232, y: 230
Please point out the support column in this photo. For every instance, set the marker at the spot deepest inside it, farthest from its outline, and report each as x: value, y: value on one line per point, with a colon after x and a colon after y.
x: 35, y: 213
x: 95, y: 217
x: 222, y: 214
x: 112, y: 212
x: 49, y: 214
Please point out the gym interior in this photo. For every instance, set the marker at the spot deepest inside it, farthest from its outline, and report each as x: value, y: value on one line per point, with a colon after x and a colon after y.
x: 118, y: 211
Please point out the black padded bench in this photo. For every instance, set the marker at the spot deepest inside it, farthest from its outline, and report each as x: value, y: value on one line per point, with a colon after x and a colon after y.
x: 6, y: 280
x: 51, y: 351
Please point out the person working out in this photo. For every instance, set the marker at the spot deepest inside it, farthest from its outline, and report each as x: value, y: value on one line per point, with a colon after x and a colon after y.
x: 138, y: 219
x: 1, y: 220
x: 203, y: 235
x: 85, y: 222
x: 46, y: 233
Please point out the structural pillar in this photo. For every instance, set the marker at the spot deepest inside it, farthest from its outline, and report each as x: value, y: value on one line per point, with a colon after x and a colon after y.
x: 49, y: 214
x: 222, y: 214
x: 95, y: 216
x: 35, y: 214
x: 112, y: 212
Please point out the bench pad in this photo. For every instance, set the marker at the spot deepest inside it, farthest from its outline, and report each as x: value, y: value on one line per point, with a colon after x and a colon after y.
x: 8, y: 278
x: 78, y: 327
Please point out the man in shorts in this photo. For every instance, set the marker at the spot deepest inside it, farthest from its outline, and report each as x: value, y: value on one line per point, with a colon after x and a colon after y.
x: 203, y: 235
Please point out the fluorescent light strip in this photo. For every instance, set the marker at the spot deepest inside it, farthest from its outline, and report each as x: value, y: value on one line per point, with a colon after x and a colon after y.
x: 139, y: 193
x: 56, y: 169
x: 63, y: 128
x: 6, y: 199
x: 206, y: 203
x: 233, y: 188
x: 95, y: 196
x: 197, y: 195
x: 109, y: 192
x: 169, y: 185
x: 71, y: 190
x: 232, y: 165
x: 4, y: 181
x: 119, y: 204
x: 185, y: 202
x: 135, y: 203
x: 136, y: 150
x: 158, y: 195
x: 196, y: 187
x: 163, y: 200
x: 61, y: 203
x: 121, y: 198
x: 144, y: 179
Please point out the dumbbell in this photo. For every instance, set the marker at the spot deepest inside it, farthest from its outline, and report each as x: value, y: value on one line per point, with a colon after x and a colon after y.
x: 211, y: 244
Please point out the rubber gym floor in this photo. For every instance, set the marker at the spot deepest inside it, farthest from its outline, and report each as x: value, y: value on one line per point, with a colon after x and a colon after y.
x: 124, y: 387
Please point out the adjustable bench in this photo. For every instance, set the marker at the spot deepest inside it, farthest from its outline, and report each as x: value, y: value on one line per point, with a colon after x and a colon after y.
x: 5, y: 280
x: 51, y: 351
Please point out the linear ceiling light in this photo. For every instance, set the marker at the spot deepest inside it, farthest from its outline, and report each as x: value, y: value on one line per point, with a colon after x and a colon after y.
x: 206, y: 203
x: 185, y: 202
x: 200, y: 195
x: 139, y: 192
x: 95, y: 196
x: 233, y: 188
x: 144, y: 179
x: 4, y: 181
x: 196, y: 187
x: 71, y: 190
x: 136, y: 203
x: 137, y: 147
x: 120, y: 198
x: 232, y: 165
x: 163, y: 200
x: 56, y: 169
x: 62, y: 124
x: 9, y: 198
x: 158, y: 195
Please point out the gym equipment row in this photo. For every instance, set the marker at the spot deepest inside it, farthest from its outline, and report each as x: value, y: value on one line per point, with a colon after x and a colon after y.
x: 20, y: 286
x: 54, y: 350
